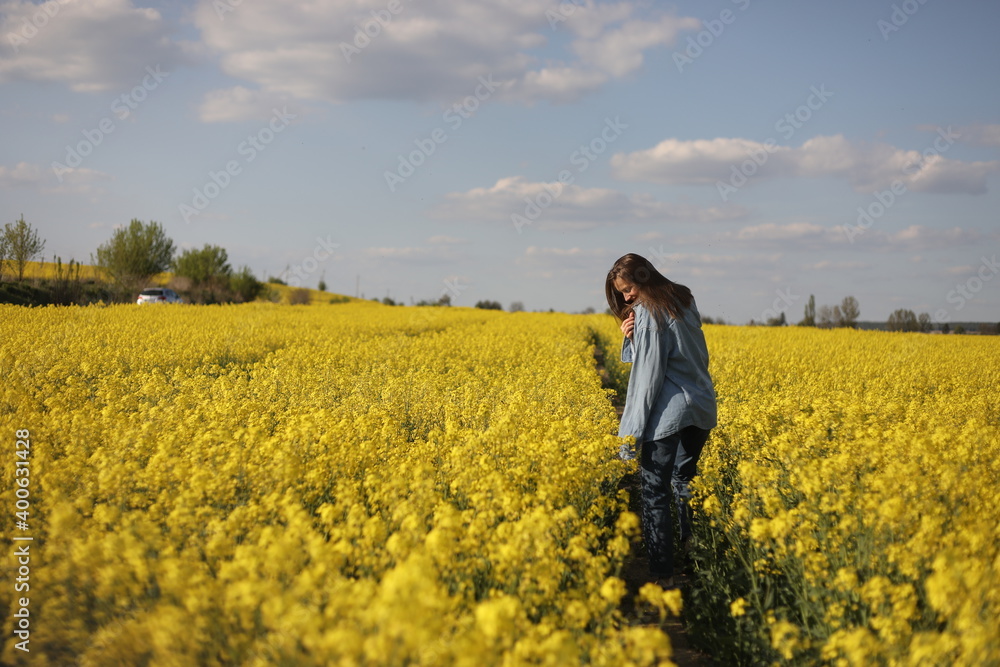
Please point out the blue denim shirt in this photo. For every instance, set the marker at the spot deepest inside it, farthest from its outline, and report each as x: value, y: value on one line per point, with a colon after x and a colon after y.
x: 669, y: 387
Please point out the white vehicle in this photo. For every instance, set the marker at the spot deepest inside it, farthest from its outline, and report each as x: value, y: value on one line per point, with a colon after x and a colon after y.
x: 158, y: 295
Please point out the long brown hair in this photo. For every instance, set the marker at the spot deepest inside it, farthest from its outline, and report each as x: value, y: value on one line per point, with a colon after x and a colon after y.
x: 655, y: 291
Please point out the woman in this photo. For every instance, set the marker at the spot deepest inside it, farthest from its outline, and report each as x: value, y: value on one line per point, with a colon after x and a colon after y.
x: 670, y: 406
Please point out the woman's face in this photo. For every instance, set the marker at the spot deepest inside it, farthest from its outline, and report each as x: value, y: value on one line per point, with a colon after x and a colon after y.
x: 628, y: 290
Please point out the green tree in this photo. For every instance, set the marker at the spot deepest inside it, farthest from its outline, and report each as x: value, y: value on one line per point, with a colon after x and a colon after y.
x: 204, y: 267
x: 809, y: 318
x: 924, y: 322
x: 903, y: 320
x: 67, y: 287
x: 134, y: 254
x: 245, y: 285
x: 489, y: 305
x: 3, y: 255
x: 826, y: 317
x: 779, y: 321
x: 849, y: 312
x: 208, y: 270
x: 19, y: 244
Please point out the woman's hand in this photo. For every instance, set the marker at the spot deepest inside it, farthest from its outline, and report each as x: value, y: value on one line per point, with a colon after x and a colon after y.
x: 628, y: 324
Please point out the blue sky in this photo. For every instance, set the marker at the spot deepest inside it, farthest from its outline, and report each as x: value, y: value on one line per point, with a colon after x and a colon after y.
x: 511, y: 151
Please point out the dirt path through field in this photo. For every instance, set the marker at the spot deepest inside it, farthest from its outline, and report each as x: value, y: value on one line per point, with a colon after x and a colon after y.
x: 636, y: 568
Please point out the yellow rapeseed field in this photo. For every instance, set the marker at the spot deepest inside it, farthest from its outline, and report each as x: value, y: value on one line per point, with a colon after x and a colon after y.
x: 850, y: 499
x: 345, y: 484
x: 357, y: 484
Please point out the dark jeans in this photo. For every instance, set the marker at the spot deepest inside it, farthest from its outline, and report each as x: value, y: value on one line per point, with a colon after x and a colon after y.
x: 666, y: 468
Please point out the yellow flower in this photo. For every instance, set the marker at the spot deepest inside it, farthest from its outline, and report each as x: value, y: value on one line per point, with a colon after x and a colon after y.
x: 737, y: 607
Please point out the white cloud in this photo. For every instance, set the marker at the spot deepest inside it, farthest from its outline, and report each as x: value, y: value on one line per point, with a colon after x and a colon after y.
x: 45, y: 180
x: 442, y: 239
x: 774, y: 232
x: 578, y: 264
x: 867, y: 167
x: 430, y: 50
x: 918, y: 236
x: 588, y: 255
x: 559, y: 84
x: 976, y: 135
x: 590, y: 264
x: 557, y: 206
x: 79, y: 181
x: 832, y: 265
x: 90, y: 45
x: 963, y: 270
x: 238, y: 104
x: 798, y: 237
x: 620, y: 51
x: 22, y: 174
x: 412, y: 254
x: 708, y: 265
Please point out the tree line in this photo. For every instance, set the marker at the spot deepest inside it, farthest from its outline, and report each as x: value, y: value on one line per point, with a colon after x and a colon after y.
x: 129, y: 259
x: 847, y: 312
x: 136, y: 253
x: 844, y: 314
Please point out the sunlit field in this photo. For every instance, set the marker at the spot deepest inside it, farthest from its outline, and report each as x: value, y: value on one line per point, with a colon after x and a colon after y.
x: 849, y: 503
x: 341, y: 484
x: 359, y: 484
